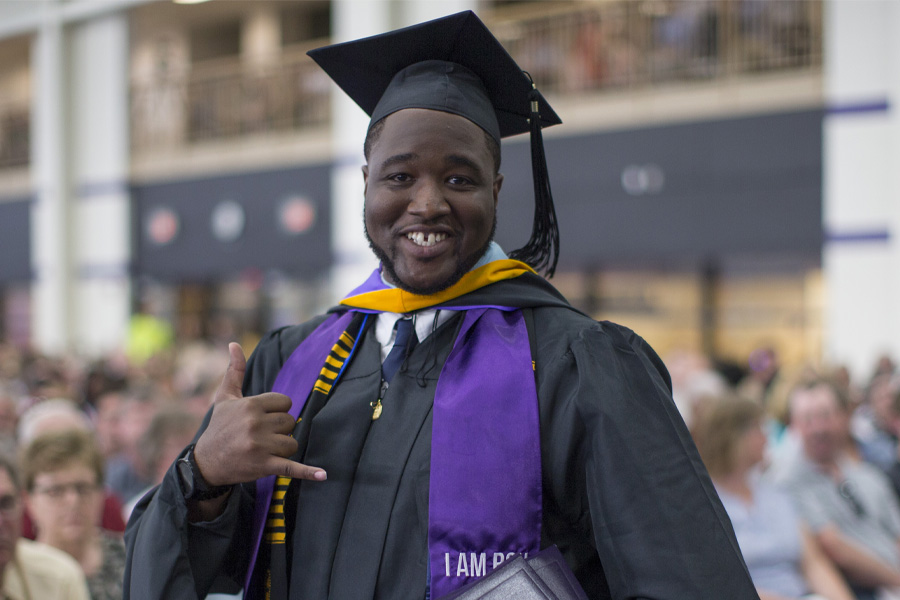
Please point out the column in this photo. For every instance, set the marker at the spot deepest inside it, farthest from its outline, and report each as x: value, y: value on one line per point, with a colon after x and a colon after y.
x: 51, y: 244
x: 351, y: 19
x: 861, y: 212
x: 101, y: 216
x: 261, y: 36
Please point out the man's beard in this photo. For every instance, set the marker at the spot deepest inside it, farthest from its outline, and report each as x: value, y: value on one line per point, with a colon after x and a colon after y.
x: 463, y: 266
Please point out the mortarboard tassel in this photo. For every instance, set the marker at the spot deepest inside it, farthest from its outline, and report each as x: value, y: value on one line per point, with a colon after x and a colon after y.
x: 542, y: 250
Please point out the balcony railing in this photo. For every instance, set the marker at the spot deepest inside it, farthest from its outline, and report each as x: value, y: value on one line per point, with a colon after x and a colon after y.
x: 229, y: 100
x: 15, y: 135
x: 636, y: 43
x: 569, y: 48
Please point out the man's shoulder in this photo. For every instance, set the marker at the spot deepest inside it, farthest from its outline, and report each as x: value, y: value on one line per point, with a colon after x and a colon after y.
x: 578, y: 328
x: 573, y: 327
x: 866, y: 473
x: 606, y: 350
x: 792, y: 470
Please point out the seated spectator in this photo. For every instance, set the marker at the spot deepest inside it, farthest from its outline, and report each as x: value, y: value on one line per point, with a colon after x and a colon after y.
x: 169, y: 433
x: 848, y: 504
x: 9, y: 418
x: 63, y: 415
x: 894, y: 470
x: 63, y: 475
x: 787, y: 448
x: 31, y: 570
x: 51, y: 415
x: 109, y: 408
x: 874, y: 423
x: 783, y: 558
x: 125, y: 473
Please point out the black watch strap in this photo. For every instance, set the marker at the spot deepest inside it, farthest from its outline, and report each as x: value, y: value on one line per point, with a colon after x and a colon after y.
x: 193, y: 485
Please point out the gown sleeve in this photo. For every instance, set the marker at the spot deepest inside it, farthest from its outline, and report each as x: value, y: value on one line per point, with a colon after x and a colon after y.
x: 169, y: 558
x: 622, y: 470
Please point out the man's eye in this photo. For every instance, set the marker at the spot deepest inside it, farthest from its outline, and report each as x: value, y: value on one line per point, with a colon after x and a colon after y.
x: 458, y: 180
x: 399, y: 177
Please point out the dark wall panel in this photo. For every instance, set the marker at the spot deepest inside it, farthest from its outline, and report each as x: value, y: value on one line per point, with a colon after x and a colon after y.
x: 15, y: 240
x: 714, y: 188
x: 196, y: 253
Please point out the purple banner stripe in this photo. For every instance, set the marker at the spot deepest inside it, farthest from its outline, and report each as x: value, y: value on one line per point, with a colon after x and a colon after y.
x: 859, y: 108
x: 93, y: 189
x: 858, y: 237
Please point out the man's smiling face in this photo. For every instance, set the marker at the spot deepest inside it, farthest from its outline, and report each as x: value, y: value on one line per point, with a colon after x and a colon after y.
x: 431, y: 198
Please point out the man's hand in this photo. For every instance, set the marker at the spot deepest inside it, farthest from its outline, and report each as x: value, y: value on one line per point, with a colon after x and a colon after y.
x: 248, y: 438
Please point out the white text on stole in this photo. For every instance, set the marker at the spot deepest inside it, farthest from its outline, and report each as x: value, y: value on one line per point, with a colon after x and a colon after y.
x: 473, y: 565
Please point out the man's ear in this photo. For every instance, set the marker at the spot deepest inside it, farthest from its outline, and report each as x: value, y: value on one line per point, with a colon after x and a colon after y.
x: 498, y: 183
x: 365, y: 171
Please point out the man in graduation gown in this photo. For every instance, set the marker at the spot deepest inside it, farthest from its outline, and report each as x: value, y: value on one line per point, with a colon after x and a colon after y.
x: 454, y: 409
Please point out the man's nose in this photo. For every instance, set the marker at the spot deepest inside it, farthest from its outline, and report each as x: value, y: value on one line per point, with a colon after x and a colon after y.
x: 428, y: 200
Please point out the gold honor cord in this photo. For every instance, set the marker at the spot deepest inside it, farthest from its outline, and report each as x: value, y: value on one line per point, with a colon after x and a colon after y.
x: 396, y: 300
x: 276, y: 529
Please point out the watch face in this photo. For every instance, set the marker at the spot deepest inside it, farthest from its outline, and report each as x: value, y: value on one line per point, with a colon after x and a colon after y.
x: 186, y: 476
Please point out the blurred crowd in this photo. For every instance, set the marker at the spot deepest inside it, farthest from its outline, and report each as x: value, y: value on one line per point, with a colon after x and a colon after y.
x: 806, y: 463
x: 80, y: 444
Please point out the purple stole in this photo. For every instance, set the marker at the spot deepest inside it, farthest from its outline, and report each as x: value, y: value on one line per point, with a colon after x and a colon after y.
x: 295, y: 380
x: 485, y: 486
x: 484, y: 502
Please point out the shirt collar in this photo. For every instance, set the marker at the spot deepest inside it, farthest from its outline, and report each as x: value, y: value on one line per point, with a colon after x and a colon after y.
x: 424, y: 322
x: 384, y: 325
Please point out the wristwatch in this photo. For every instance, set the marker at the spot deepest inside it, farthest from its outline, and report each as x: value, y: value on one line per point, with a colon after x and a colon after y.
x: 193, y: 486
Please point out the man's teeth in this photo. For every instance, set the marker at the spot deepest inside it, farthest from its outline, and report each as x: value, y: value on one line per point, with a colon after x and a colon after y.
x: 420, y: 239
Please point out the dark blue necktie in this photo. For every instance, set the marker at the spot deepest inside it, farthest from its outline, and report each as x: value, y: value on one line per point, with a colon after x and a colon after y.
x: 404, y: 342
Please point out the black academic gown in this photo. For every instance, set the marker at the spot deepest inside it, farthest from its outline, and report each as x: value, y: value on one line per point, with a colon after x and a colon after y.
x: 625, y: 495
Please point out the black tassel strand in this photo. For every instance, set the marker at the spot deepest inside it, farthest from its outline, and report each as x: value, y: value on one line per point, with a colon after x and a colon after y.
x: 542, y: 250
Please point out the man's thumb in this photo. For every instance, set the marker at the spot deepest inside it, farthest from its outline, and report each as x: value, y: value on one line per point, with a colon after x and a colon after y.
x: 234, y: 374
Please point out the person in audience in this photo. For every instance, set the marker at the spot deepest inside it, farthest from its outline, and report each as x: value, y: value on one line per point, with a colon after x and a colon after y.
x: 31, y: 570
x: 125, y: 473
x: 9, y: 418
x: 51, y: 415
x: 848, y: 504
x: 783, y: 558
x: 893, y: 472
x: 875, y: 425
x: 109, y: 411
x: 63, y: 475
x: 170, y: 431
x: 764, y: 372
x: 785, y: 450
x: 63, y: 415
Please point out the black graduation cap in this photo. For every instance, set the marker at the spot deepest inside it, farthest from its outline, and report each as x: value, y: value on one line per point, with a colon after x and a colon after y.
x: 454, y: 64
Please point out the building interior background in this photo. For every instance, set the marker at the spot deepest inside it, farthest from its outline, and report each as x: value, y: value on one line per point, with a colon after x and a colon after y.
x: 724, y: 170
